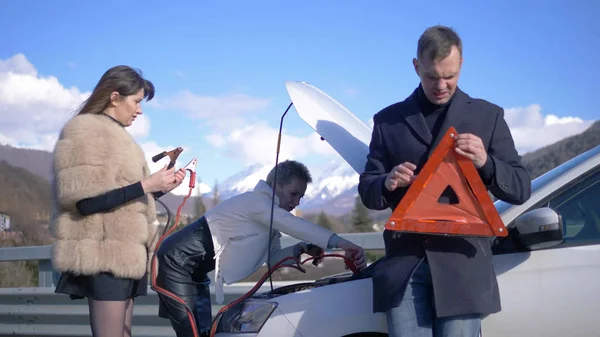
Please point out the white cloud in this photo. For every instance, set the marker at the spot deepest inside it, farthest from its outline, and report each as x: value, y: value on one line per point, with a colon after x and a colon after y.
x: 238, y: 133
x: 219, y: 112
x: 531, y: 129
x: 17, y: 64
x: 216, y: 140
x: 4, y: 140
x: 32, y: 107
x: 222, y: 106
x: 257, y: 143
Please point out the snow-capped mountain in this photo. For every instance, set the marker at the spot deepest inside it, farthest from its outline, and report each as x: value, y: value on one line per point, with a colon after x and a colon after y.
x: 330, y: 181
x: 243, y: 181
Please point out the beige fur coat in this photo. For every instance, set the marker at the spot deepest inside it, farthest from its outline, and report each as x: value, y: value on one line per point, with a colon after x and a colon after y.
x: 94, y: 154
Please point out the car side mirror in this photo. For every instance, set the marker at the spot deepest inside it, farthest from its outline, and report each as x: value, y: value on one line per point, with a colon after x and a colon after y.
x: 539, y: 228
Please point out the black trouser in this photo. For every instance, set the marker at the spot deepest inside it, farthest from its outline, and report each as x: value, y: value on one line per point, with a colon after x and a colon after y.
x: 184, y: 259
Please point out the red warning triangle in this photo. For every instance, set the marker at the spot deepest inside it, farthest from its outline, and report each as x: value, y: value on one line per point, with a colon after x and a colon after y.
x: 473, y: 214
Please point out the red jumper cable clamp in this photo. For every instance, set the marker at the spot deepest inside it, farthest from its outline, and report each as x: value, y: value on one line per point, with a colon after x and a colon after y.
x: 191, y: 166
x: 173, y: 154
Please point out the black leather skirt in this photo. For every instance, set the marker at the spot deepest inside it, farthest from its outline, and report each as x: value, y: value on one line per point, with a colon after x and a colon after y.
x: 184, y: 259
x: 102, y: 286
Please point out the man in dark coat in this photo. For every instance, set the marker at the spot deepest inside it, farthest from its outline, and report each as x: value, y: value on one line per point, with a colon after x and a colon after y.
x: 435, y: 285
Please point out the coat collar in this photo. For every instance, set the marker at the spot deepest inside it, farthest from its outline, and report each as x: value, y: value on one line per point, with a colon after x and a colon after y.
x: 263, y: 188
x: 111, y: 118
x: 454, y: 116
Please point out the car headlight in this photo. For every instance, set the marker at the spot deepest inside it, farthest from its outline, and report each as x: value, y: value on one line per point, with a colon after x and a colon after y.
x: 248, y: 316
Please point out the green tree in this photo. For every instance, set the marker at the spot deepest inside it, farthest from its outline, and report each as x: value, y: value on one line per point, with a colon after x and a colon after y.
x: 323, y: 220
x: 199, y: 208
x: 216, y: 197
x: 361, y: 221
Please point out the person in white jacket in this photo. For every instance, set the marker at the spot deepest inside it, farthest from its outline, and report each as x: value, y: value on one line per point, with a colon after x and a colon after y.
x: 232, y: 238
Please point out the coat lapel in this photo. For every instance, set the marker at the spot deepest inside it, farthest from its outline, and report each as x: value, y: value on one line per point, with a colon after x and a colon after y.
x: 454, y: 116
x: 414, y: 118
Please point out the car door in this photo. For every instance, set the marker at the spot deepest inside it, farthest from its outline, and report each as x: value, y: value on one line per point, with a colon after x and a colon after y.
x: 555, y: 291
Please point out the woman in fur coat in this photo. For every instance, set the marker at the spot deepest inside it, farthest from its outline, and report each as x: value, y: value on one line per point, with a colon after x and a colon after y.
x: 104, y: 196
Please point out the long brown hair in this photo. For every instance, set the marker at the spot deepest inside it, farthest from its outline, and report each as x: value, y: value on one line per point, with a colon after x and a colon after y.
x: 122, y: 79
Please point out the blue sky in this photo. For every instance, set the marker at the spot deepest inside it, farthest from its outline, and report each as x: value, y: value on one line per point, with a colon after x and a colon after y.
x: 218, y: 63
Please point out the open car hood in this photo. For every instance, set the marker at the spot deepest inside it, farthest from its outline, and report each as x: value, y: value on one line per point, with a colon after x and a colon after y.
x: 339, y: 127
x: 349, y: 137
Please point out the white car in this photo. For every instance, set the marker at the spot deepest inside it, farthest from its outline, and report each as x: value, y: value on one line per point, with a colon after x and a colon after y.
x: 548, y: 270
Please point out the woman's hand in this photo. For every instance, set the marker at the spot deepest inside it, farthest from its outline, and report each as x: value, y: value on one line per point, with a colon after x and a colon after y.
x: 160, y: 180
x: 179, y: 176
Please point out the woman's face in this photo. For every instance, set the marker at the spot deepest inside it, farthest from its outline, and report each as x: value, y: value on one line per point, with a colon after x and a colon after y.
x: 127, y: 108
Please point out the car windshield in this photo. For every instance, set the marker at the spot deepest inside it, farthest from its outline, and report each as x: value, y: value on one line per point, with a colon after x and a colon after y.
x: 551, y: 175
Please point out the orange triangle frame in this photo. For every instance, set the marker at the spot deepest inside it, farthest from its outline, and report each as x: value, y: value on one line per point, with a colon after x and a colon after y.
x: 420, y: 212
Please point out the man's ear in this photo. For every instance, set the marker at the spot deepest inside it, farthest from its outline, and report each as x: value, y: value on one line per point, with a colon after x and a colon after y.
x: 416, y: 65
x: 277, y: 190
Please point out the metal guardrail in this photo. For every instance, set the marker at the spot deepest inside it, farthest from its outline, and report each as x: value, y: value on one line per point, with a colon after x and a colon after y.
x: 47, y: 276
x: 33, y: 253
x: 39, y: 312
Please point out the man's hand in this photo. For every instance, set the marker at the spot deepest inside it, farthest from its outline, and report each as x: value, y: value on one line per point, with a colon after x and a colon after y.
x: 354, y: 253
x: 471, y: 146
x: 400, y: 176
x: 311, y: 250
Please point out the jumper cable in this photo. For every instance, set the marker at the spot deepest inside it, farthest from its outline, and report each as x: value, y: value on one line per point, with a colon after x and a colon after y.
x: 191, y: 166
x: 349, y: 264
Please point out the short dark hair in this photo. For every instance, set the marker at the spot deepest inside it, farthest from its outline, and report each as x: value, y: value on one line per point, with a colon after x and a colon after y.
x: 123, y: 79
x: 287, y: 171
x: 436, y: 43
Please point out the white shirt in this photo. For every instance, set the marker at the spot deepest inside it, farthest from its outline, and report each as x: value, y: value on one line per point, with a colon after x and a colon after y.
x: 240, y: 230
